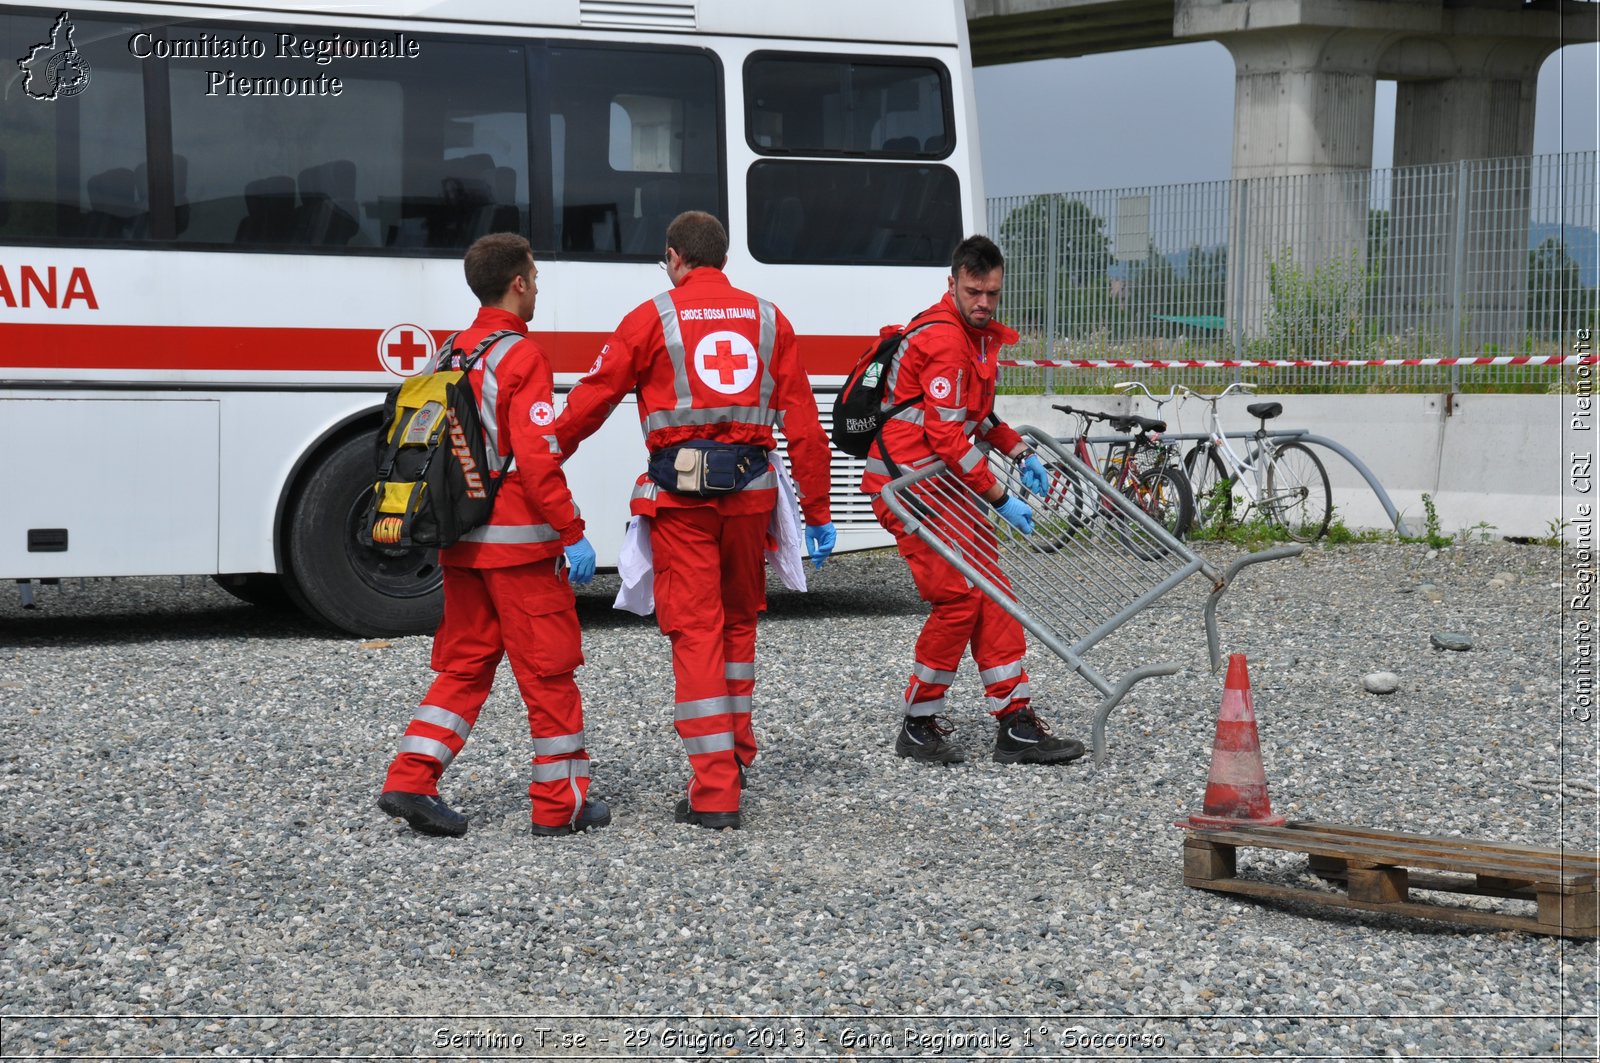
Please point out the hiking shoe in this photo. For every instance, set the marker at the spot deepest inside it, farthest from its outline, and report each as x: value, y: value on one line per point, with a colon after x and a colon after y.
x: 924, y: 738
x: 425, y: 813
x: 593, y: 814
x: 682, y: 813
x: 1024, y: 739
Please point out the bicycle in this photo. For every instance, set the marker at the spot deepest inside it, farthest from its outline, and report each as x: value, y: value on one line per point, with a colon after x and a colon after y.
x: 1153, y: 452
x: 1285, y: 482
x: 1135, y: 467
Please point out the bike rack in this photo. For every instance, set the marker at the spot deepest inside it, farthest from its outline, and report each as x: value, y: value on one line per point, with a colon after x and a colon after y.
x: 1094, y: 560
x: 1288, y: 434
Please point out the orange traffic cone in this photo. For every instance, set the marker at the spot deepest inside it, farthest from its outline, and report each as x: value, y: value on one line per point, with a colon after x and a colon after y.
x: 1236, y: 792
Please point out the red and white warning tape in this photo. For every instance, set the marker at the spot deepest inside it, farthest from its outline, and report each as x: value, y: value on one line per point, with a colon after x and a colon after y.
x: 1286, y: 363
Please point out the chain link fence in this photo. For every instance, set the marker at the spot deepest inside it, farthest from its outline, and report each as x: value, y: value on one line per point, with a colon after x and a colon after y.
x: 1476, y: 259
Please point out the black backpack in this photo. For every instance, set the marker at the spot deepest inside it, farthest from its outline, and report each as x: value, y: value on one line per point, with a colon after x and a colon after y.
x: 436, y: 475
x: 858, y: 410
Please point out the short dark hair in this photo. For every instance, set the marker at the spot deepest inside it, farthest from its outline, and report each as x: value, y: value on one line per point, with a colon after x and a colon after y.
x: 493, y: 261
x: 699, y: 239
x: 978, y: 255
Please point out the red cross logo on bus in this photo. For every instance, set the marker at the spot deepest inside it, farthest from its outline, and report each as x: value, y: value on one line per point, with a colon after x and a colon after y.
x: 407, y: 350
x: 726, y: 362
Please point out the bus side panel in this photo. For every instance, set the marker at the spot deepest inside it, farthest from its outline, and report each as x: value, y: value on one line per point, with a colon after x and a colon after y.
x: 255, y: 428
x: 601, y: 475
x: 133, y: 483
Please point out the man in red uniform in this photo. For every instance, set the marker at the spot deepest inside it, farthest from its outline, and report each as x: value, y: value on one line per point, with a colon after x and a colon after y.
x: 946, y: 370
x: 715, y: 370
x: 504, y: 591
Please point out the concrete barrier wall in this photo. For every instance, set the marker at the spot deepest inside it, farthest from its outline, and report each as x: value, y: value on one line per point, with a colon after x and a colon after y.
x: 1496, y: 460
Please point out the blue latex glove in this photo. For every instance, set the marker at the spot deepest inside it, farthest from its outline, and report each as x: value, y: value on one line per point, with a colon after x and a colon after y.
x: 1017, y: 514
x: 580, y: 561
x: 1034, y: 476
x: 820, y: 540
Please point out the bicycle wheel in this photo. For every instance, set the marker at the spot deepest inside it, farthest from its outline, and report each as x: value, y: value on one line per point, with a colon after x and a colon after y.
x: 1064, y: 511
x: 1299, y: 499
x: 1164, y: 494
x: 1210, y: 489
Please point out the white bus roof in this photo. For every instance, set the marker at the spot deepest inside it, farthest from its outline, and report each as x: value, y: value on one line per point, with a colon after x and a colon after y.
x: 921, y: 22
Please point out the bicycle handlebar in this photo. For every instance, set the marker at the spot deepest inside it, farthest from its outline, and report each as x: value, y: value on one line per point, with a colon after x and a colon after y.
x: 1241, y: 385
x: 1140, y: 385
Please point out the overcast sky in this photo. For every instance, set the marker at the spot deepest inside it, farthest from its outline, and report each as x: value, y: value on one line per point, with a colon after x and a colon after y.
x: 1165, y: 116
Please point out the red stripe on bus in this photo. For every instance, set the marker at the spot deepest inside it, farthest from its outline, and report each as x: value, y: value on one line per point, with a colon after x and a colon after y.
x: 155, y: 348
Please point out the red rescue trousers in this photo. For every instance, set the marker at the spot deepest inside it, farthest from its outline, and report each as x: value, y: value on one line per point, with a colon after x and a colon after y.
x: 526, y: 613
x: 962, y: 616
x: 710, y: 585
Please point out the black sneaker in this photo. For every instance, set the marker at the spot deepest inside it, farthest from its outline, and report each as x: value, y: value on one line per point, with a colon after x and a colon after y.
x: 682, y: 813
x: 426, y: 814
x: 923, y: 738
x: 1024, y: 739
x: 593, y: 814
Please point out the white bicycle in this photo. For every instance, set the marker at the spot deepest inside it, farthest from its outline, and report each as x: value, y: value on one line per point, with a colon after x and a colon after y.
x: 1283, y: 481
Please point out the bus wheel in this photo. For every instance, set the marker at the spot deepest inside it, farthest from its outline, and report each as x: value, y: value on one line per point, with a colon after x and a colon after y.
x: 354, y: 587
x: 264, y: 590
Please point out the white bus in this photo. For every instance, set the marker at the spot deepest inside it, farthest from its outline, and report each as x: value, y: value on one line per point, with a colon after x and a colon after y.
x: 227, y: 228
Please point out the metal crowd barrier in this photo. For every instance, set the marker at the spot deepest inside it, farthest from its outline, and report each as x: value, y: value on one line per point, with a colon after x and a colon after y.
x: 1094, y: 560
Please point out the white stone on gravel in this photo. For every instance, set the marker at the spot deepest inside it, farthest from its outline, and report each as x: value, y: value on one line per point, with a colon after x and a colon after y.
x: 1381, y: 682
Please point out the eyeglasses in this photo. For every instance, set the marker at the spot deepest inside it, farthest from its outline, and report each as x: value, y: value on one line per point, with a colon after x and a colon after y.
x: 662, y: 263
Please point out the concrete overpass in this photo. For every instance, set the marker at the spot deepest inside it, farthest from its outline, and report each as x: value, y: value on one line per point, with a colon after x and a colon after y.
x: 1307, y: 70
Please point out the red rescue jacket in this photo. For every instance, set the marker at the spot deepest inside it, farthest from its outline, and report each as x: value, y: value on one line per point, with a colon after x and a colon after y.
x: 953, y: 367
x: 534, y: 515
x: 708, y: 361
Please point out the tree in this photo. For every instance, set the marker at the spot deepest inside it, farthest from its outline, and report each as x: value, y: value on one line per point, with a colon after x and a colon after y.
x: 1558, y: 303
x: 1054, y: 241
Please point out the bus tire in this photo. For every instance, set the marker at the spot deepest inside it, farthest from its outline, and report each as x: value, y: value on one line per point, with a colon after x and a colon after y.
x: 335, y: 578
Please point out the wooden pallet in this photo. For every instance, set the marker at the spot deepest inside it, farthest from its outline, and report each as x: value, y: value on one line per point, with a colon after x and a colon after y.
x: 1379, y: 868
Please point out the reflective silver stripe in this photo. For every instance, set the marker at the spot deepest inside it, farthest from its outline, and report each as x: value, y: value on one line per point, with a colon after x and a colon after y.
x: 512, y: 533
x: 971, y: 428
x: 925, y: 708
x: 1018, y: 692
x: 672, y: 334
x: 716, y: 743
x: 555, y: 444
x: 647, y: 489
x: 442, y: 717
x: 765, y: 341
x: 427, y: 747
x: 489, y: 395
x: 1004, y: 671
x: 561, y: 770
x: 695, y: 710
x: 876, y: 465
x: 972, y: 460
x: 739, y: 704
x: 554, y: 747
x: 767, y: 481
x: 951, y: 413
x: 911, y: 415
x: 739, y: 670
x: 712, y: 415
x: 932, y: 675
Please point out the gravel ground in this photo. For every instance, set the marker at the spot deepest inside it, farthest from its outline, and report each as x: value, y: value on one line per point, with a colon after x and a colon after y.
x: 193, y: 864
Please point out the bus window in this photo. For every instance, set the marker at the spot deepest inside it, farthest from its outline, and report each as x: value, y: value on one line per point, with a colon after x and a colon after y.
x: 422, y: 154
x: 857, y: 213
x: 859, y: 106
x: 635, y: 139
x: 72, y: 133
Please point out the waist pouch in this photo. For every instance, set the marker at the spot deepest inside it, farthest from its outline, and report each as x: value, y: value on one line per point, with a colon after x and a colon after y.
x: 705, y: 468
